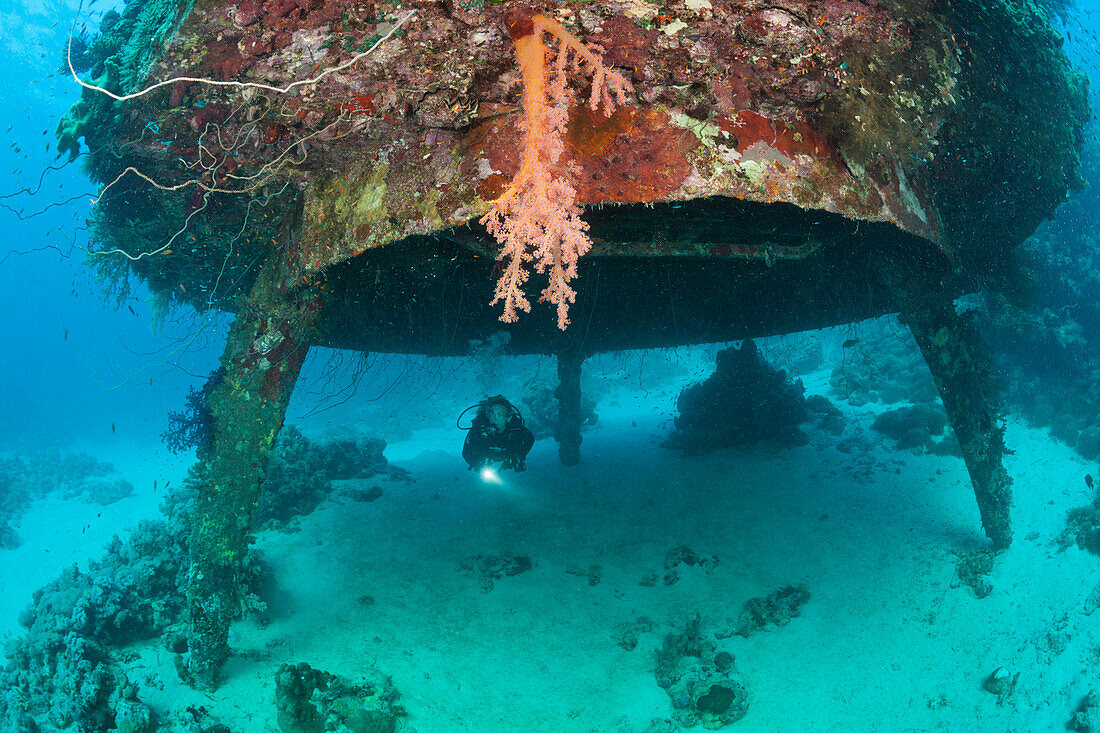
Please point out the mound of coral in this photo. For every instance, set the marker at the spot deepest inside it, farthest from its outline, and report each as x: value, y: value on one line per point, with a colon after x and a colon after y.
x: 68, y: 475
x: 301, y: 473
x: 539, y: 402
x: 744, y: 401
x: 883, y: 366
x: 1083, y: 527
x: 919, y: 428
x: 312, y: 701
x: 66, y: 671
x: 702, y: 682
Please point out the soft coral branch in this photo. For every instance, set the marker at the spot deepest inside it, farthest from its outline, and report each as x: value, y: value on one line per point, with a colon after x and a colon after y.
x: 537, y: 218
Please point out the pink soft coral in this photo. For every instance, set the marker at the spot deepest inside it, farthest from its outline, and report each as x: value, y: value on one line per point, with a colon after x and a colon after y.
x: 537, y: 219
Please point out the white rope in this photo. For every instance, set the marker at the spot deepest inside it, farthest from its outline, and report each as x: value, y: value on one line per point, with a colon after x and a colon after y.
x: 240, y: 84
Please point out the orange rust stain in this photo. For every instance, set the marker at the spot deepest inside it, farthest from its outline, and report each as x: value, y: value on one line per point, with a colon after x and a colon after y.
x: 633, y: 155
x: 500, y: 142
x: 271, y: 132
x: 592, y: 133
x: 645, y: 164
x: 492, y: 187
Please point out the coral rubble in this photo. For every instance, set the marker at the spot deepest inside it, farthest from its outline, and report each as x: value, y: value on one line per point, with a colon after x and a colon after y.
x: 312, y: 701
x: 702, y: 682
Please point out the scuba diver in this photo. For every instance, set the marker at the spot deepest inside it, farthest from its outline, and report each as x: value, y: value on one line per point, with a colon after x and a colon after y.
x: 497, y: 434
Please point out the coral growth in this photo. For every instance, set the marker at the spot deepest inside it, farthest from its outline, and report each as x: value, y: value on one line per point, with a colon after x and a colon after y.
x: 68, y: 475
x: 1087, y: 717
x: 541, y: 410
x: 301, y: 472
x: 489, y: 568
x: 1083, y: 527
x: 886, y: 367
x: 684, y: 555
x: 537, y: 219
x: 65, y: 670
x: 193, y: 427
x: 309, y: 701
x: 773, y: 610
x: 919, y: 428
x: 702, y: 683
x: 118, y: 58
x: 973, y: 569
x: 744, y: 401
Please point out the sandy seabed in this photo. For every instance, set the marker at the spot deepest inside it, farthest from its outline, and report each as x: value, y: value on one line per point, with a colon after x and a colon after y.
x: 888, y: 640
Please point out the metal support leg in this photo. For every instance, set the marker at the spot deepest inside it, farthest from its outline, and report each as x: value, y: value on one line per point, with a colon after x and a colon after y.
x: 263, y: 356
x: 568, y: 433
x: 960, y: 363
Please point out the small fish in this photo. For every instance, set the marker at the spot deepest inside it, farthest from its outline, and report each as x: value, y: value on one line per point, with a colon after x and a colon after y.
x: 154, y: 484
x: 1088, y: 480
x: 66, y: 334
x: 134, y: 312
x: 850, y: 343
x: 112, y: 427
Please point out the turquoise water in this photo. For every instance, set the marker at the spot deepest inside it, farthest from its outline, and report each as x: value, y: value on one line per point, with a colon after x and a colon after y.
x: 616, y: 595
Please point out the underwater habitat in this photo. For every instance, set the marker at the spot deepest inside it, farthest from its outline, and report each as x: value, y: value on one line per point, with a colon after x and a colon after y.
x: 510, y: 366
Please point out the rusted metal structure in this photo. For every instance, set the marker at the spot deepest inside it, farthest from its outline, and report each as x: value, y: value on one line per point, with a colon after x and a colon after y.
x: 771, y: 167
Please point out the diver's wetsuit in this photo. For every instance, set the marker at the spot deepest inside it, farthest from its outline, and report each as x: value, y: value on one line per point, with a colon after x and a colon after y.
x: 483, y: 444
